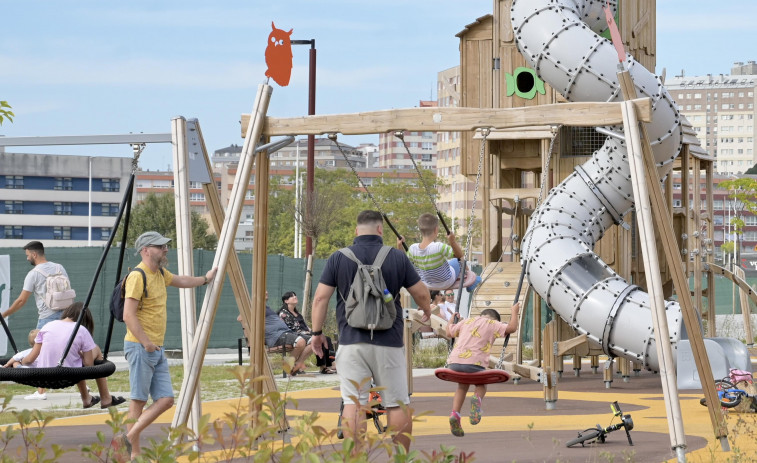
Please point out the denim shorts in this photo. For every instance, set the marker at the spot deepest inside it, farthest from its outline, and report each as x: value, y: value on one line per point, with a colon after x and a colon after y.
x: 44, y: 321
x: 148, y: 373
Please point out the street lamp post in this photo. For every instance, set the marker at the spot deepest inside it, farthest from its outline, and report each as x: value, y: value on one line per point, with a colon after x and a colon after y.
x: 311, y: 138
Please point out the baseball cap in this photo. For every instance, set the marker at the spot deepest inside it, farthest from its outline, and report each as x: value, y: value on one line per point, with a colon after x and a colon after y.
x: 151, y: 238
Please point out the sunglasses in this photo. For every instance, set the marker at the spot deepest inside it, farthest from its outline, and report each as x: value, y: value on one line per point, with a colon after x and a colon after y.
x: 449, y: 294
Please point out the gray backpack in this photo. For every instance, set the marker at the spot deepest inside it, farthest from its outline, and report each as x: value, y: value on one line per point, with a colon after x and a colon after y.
x: 365, y: 307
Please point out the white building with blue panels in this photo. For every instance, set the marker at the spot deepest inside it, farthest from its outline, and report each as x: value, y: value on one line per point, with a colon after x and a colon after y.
x: 61, y: 200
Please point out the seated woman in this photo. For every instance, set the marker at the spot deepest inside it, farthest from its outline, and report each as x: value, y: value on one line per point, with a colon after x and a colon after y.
x: 51, y: 341
x: 296, y: 322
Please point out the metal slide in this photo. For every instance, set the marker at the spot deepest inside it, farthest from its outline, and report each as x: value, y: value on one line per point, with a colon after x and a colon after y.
x: 558, y: 40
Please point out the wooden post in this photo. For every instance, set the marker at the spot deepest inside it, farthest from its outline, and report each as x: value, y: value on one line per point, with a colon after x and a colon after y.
x: 408, y: 334
x: 576, y: 365
x: 681, y: 283
x: 308, y: 285
x: 234, y: 267
x: 745, y: 309
x: 184, y: 249
x: 225, y: 247
x: 260, y: 264
x: 654, y: 281
x: 607, y: 372
x: 549, y: 376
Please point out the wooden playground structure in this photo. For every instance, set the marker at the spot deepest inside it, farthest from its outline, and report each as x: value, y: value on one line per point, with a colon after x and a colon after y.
x: 526, y: 154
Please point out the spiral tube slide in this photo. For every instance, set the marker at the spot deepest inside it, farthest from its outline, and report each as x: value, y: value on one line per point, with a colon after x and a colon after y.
x: 558, y: 40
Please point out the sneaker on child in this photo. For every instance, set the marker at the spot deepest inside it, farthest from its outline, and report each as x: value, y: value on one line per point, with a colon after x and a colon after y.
x: 454, y: 425
x: 475, y: 410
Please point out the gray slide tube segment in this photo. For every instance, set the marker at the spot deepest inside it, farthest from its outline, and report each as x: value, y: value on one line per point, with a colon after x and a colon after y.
x: 557, y: 39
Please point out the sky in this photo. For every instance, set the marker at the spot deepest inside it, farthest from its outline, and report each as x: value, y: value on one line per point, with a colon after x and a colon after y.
x: 96, y: 67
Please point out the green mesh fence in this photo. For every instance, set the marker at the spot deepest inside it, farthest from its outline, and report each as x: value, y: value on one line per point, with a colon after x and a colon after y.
x: 284, y: 274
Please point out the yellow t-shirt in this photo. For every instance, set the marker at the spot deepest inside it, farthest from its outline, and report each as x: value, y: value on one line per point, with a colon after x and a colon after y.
x: 151, y: 311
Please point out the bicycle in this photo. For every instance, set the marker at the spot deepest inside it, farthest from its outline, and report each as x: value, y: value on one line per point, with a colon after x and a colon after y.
x: 598, y: 433
x: 729, y: 395
x: 376, y: 414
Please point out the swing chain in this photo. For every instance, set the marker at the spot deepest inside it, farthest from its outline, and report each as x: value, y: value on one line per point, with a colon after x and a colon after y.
x: 137, y: 149
x: 485, y: 133
x: 333, y: 137
x: 555, y: 131
x: 399, y: 134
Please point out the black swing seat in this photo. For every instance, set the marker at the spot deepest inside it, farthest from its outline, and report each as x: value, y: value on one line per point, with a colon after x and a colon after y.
x: 479, y: 377
x: 57, y: 377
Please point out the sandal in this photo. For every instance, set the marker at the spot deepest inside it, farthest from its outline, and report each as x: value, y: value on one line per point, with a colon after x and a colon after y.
x: 93, y: 401
x: 114, y: 400
x: 327, y: 371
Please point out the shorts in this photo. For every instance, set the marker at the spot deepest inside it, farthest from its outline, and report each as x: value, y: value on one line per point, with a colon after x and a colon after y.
x: 465, y: 367
x: 148, y: 373
x: 44, y: 321
x: 289, y: 338
x: 385, y: 365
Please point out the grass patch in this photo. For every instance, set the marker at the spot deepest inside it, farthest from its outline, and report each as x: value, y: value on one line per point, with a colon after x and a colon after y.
x: 217, y: 382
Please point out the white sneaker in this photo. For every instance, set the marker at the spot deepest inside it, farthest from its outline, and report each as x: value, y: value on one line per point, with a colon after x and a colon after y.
x: 36, y: 396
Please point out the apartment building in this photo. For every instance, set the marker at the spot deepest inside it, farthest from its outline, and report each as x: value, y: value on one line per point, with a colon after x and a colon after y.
x: 721, y: 110
x: 393, y: 152
x: 65, y: 201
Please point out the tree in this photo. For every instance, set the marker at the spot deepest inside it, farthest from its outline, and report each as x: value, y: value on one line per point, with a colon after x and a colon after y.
x: 743, y: 193
x: 5, y: 112
x: 157, y: 213
x: 752, y: 170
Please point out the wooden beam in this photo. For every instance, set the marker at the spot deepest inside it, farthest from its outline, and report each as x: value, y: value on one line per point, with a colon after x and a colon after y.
x: 452, y: 119
x: 511, y: 193
x: 681, y: 281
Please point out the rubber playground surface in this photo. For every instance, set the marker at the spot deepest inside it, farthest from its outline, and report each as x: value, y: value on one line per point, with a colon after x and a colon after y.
x: 516, y: 425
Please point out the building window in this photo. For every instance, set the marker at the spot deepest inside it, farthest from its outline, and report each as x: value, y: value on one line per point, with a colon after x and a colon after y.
x: 111, y: 184
x: 62, y: 208
x: 62, y: 233
x: 63, y: 183
x: 197, y: 197
x: 105, y: 234
x: 14, y: 182
x: 676, y: 203
x: 13, y: 231
x: 110, y: 209
x: 14, y: 207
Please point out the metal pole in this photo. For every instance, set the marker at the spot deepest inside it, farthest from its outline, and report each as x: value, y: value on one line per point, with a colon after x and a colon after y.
x: 311, y: 143
x: 311, y: 138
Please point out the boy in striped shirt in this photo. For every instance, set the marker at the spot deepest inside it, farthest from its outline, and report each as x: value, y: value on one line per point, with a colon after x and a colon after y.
x: 438, y: 264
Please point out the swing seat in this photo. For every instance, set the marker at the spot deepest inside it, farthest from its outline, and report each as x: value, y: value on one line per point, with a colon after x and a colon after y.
x: 57, y: 377
x: 479, y: 377
x: 470, y: 278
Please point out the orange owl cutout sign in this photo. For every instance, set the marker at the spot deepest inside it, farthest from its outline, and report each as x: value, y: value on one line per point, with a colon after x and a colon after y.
x: 278, y: 56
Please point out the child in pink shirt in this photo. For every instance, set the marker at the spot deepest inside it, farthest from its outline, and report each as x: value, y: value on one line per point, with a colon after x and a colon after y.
x: 471, y: 354
x: 51, y: 341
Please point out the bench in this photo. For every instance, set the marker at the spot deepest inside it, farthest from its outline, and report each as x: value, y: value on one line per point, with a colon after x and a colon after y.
x: 283, y: 350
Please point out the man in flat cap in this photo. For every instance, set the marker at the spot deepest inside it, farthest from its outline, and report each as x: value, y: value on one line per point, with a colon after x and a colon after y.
x: 145, y: 318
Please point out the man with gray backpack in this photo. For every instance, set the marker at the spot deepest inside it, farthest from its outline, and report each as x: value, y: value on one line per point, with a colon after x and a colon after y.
x: 368, y: 277
x: 48, y: 282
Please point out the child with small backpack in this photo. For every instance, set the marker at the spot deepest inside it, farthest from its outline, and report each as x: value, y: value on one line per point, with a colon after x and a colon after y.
x: 475, y: 337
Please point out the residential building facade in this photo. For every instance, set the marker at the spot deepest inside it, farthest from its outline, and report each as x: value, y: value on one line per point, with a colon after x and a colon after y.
x: 721, y: 108
x: 66, y: 201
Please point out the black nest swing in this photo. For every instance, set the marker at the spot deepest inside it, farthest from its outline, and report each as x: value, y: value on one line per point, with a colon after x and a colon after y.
x: 60, y: 377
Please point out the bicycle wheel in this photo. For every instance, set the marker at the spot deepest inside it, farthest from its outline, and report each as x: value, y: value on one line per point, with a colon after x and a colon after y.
x: 730, y: 398
x: 583, y: 438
